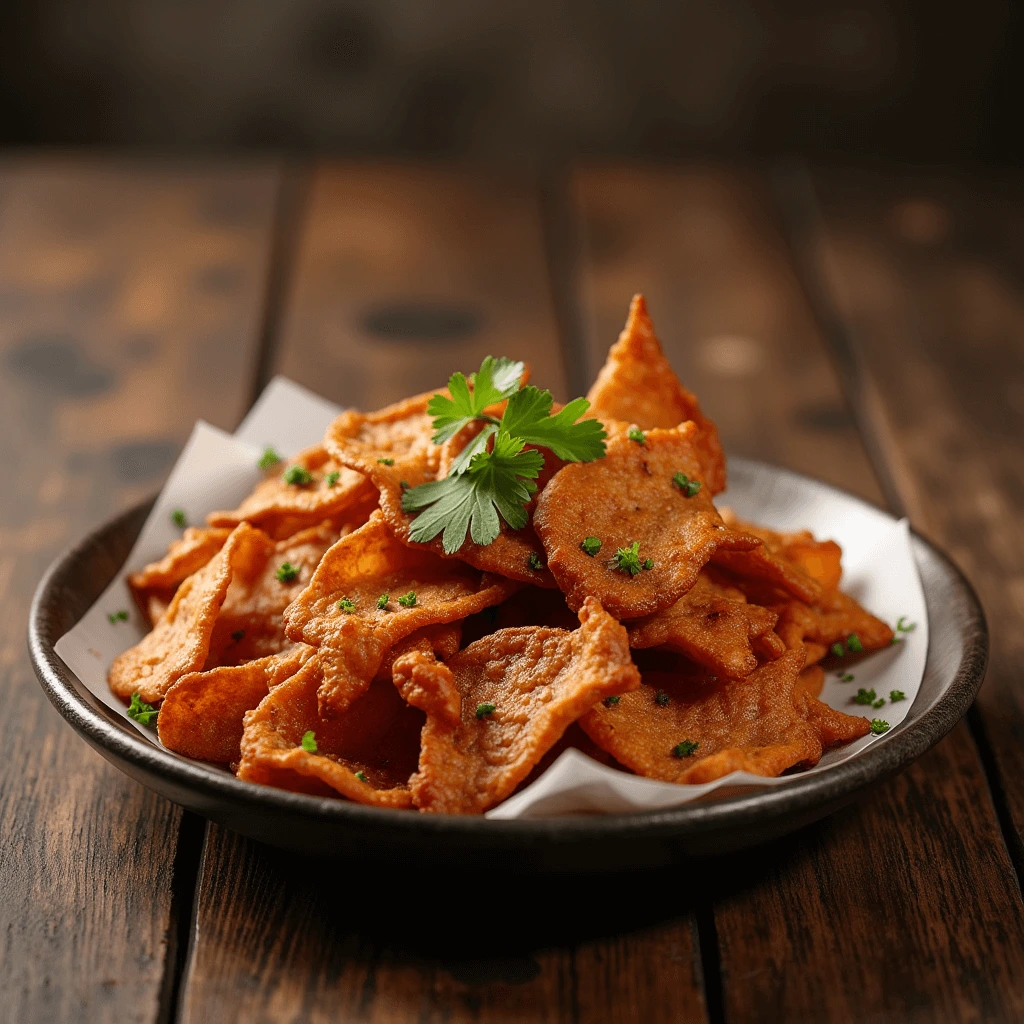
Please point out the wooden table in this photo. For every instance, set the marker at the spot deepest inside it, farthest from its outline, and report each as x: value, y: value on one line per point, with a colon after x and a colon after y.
x: 865, y: 329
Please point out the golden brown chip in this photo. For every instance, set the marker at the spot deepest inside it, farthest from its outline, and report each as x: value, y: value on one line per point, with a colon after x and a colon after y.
x: 442, y: 641
x: 499, y: 705
x: 811, y: 680
x: 637, y: 385
x: 154, y: 586
x: 833, y: 618
x: 281, y: 509
x: 764, y: 576
x: 819, y: 559
x: 833, y: 727
x: 367, y: 754
x: 755, y: 724
x: 251, y: 620
x: 420, y: 590
x: 180, y: 641
x: 630, y: 496
x: 201, y: 715
x: 713, y: 624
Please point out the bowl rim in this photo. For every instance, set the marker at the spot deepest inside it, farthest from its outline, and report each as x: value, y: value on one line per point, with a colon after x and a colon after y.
x: 903, y: 745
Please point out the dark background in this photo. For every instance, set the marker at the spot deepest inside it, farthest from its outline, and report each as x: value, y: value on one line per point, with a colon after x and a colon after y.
x: 524, y: 82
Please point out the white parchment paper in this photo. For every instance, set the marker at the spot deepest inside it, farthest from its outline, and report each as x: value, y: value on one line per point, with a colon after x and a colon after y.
x: 217, y: 470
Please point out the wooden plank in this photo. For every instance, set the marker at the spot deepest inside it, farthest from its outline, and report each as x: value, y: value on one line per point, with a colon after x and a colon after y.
x: 129, y: 299
x: 905, y: 905
x: 929, y: 275
x: 404, y: 275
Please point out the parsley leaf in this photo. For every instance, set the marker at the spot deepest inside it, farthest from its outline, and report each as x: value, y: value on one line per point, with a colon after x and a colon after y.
x: 628, y: 560
x: 636, y: 434
x: 179, y: 518
x: 309, y: 742
x: 269, y: 459
x: 534, y: 561
x: 496, y: 380
x: 143, y: 713
x: 361, y: 776
x: 298, y: 476
x: 610, y: 702
x: 661, y: 698
x: 286, y: 572
x: 590, y: 545
x: 382, y: 601
x: 865, y: 697
x: 485, y: 709
x: 684, y: 749
x: 346, y: 605
x: 878, y: 726
x: 114, y: 617
x: 895, y: 695
x: 332, y: 478
x: 408, y: 600
x: 528, y: 417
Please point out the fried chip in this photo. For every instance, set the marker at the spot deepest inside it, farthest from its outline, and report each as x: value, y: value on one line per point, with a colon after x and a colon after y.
x: 281, y: 509
x: 360, y: 569
x: 251, y: 620
x: 811, y: 680
x: 763, y: 575
x: 442, y: 641
x: 154, y: 586
x: 713, y: 625
x: 819, y: 559
x: 180, y: 641
x: 833, y: 727
x: 498, y: 706
x: 202, y: 713
x: 757, y: 724
x: 833, y: 618
x: 378, y: 737
x: 637, y: 385
x: 630, y: 496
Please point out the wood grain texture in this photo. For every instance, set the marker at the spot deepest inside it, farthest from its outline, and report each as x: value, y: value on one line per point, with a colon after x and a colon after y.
x: 128, y: 301
x: 453, y: 267
x: 929, y: 276
x: 406, y: 273
x: 912, y: 887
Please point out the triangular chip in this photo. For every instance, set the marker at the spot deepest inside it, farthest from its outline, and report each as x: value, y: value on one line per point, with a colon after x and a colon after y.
x: 637, y: 493
x: 367, y: 754
x: 698, y: 729
x: 498, y: 706
x: 714, y: 625
x: 637, y: 385
x: 180, y: 641
x: 369, y: 592
x: 202, y: 713
x: 303, y: 492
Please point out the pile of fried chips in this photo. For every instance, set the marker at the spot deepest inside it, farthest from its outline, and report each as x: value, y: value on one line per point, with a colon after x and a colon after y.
x: 305, y: 641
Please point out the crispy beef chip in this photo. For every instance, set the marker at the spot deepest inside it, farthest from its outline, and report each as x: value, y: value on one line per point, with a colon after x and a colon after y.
x: 377, y: 736
x: 202, y: 713
x: 715, y: 626
x: 834, y: 617
x: 361, y: 568
x: 539, y: 681
x: 281, y: 509
x: 154, y: 586
x: 637, y: 385
x: 758, y: 724
x: 627, y: 496
x: 180, y: 641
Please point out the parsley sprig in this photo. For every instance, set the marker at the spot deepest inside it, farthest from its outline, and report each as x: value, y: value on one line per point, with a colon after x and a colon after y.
x: 493, y: 477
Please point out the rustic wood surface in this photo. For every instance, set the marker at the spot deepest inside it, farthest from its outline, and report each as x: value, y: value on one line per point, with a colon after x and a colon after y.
x: 129, y: 300
x: 134, y: 298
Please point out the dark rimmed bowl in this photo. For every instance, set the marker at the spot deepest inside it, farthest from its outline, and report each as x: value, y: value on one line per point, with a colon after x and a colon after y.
x: 957, y: 655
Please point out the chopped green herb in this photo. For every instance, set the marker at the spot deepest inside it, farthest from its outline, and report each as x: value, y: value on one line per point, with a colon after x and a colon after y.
x: 298, y: 476
x: 382, y: 601
x: 485, y: 709
x: 878, y: 726
x: 865, y: 696
x: 361, y: 776
x: 309, y: 742
x: 902, y: 628
x: 269, y: 459
x: 347, y: 606
x: 179, y: 518
x: 661, y: 698
x: 845, y: 677
x: 628, y: 560
x: 648, y: 563
x: 287, y: 572
x: 493, y: 477
x: 115, y: 617
x: 534, y: 562
x: 238, y: 634
x: 636, y: 434
x: 590, y: 546
x: 404, y: 484
x: 838, y: 649
x: 686, y: 485
x: 408, y: 600
x: 853, y: 644
x: 895, y: 695
x: 143, y: 713
x: 386, y: 462
x: 332, y: 478
x: 878, y: 703
x: 684, y: 749
x: 610, y: 702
